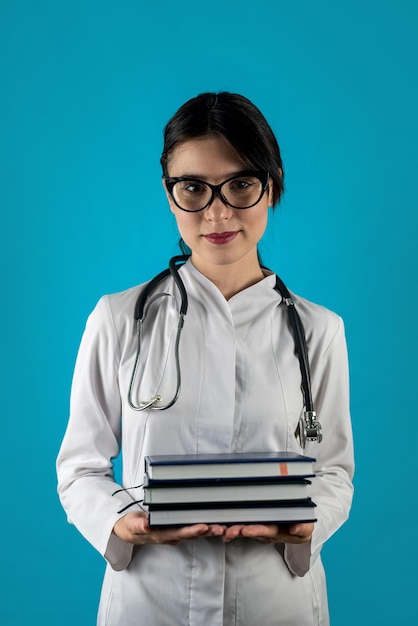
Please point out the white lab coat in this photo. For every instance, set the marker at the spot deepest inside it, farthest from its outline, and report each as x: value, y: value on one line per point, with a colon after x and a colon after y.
x: 240, y: 392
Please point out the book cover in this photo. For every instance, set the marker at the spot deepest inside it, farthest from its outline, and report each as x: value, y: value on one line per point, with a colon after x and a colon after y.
x: 228, y: 465
x: 236, y: 513
x: 224, y: 490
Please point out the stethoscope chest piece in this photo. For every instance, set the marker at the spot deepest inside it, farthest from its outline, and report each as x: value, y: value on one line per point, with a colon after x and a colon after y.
x: 308, y: 429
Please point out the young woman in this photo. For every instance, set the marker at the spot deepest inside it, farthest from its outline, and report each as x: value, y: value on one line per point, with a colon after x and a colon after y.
x: 241, y: 392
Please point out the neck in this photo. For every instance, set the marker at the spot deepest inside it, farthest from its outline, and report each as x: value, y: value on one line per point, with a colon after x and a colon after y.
x: 230, y: 278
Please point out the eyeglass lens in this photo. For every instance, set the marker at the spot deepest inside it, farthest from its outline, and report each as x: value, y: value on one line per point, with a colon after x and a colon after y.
x: 240, y: 193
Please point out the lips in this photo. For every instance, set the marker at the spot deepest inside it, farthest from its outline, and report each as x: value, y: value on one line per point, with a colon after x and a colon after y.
x: 221, y: 238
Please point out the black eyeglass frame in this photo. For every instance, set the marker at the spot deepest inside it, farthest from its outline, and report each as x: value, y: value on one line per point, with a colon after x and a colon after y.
x: 263, y: 177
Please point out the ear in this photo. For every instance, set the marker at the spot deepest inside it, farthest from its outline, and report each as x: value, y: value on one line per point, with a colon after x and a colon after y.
x: 270, y: 197
x: 170, y: 201
x: 271, y: 187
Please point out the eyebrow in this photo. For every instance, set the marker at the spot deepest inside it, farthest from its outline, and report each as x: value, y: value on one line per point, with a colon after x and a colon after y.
x: 206, y: 178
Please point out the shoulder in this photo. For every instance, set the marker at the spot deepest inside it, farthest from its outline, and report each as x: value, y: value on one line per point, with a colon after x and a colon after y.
x: 122, y: 303
x: 118, y: 309
x: 115, y: 310
x: 321, y: 324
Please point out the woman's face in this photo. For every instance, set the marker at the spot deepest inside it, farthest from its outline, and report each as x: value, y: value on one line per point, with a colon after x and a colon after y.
x: 218, y: 235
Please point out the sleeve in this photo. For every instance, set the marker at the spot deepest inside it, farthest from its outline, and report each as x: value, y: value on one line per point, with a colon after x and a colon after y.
x: 92, y: 440
x: 332, y: 488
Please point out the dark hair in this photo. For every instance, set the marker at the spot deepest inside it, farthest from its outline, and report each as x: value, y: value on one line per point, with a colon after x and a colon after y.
x: 236, y: 119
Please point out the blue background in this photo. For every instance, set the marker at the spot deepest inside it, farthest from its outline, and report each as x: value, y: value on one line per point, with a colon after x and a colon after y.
x: 86, y: 88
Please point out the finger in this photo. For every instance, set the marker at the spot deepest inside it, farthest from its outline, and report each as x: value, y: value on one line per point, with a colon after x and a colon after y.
x: 232, y: 532
x: 216, y: 530
x: 131, y: 526
x: 170, y: 535
x: 181, y: 533
x: 301, y: 530
x: 189, y: 532
x: 261, y: 531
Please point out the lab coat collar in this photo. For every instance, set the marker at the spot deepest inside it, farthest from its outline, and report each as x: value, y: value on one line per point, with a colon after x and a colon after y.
x: 263, y: 290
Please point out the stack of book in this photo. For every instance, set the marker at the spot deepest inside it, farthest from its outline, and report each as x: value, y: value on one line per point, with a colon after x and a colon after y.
x: 233, y: 488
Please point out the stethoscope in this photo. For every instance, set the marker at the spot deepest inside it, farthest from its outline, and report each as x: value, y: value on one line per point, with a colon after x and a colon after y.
x: 309, y: 429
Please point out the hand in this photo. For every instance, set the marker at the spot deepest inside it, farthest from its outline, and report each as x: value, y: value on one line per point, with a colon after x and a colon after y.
x: 271, y: 533
x: 133, y: 528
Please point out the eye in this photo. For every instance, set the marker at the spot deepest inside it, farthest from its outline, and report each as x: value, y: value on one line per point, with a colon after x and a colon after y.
x: 192, y: 187
x: 242, y: 184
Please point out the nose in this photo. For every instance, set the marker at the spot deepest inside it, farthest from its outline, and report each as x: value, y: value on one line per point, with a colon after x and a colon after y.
x: 218, y: 210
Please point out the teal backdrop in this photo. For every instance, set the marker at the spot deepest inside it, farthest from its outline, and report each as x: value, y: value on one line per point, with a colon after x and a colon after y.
x: 86, y: 88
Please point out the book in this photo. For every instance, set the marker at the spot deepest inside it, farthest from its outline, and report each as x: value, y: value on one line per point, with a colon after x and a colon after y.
x: 228, y: 465
x: 221, y: 490
x: 269, y: 512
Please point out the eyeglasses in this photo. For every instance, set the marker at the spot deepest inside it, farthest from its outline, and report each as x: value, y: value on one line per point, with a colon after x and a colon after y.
x: 241, y: 191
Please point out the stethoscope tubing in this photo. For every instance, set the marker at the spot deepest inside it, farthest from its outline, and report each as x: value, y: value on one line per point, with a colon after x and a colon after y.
x: 308, y: 430
x: 300, y: 342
